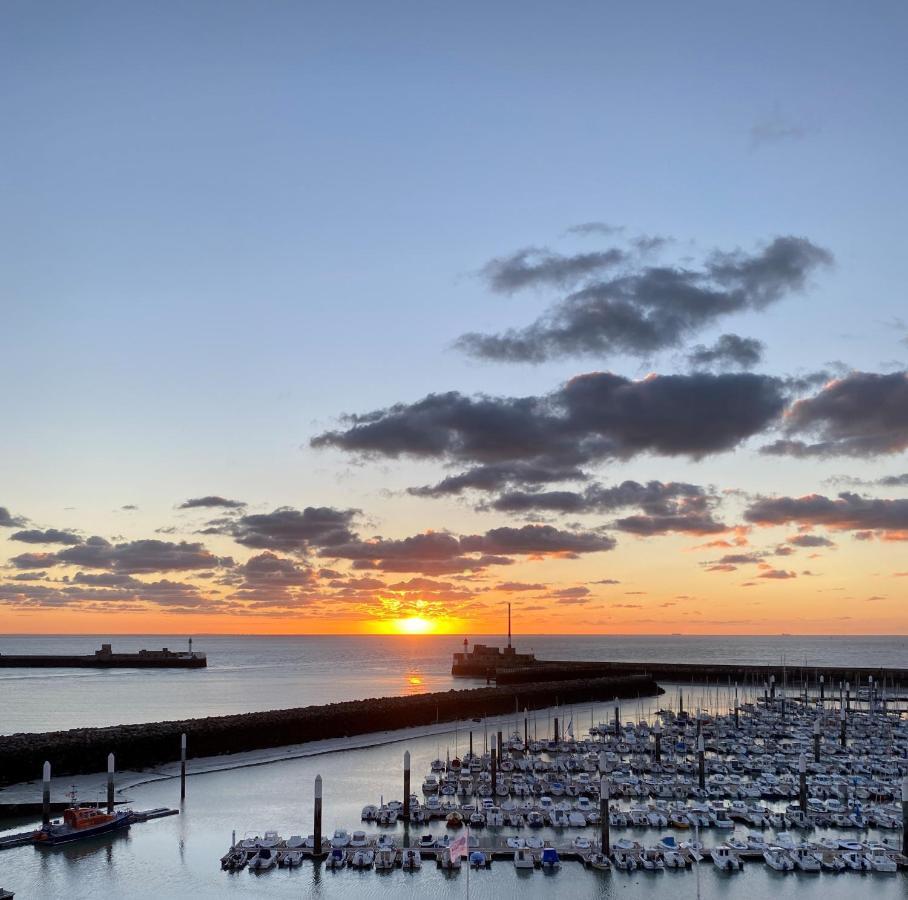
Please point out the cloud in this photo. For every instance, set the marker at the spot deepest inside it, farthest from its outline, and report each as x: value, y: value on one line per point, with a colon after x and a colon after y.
x: 847, y: 512
x: 289, y: 530
x: 644, y: 309
x: 777, y: 574
x: 514, y: 586
x: 211, y: 501
x: 536, y: 267
x: 571, y: 592
x: 593, y: 418
x: 34, y: 560
x: 587, y: 228
x: 48, y: 536
x: 730, y: 350
x: 173, y: 596
x: 810, y: 540
x: 131, y: 557
x: 8, y: 520
x: 438, y: 553
x: 861, y: 414
x: 774, y: 129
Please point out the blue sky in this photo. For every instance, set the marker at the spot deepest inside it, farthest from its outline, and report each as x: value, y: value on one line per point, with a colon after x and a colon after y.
x: 223, y: 224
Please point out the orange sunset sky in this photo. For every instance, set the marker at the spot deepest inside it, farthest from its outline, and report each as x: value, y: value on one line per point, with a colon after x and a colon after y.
x: 314, y: 322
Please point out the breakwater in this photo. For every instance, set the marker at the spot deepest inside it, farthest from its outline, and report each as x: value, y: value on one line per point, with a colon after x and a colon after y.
x: 857, y: 677
x: 82, y: 750
x: 105, y: 658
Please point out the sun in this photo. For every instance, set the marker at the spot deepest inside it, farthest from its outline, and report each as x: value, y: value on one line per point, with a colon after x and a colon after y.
x: 414, y: 625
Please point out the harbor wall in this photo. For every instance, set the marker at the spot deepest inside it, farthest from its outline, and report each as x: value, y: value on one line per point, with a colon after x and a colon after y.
x: 858, y: 677
x: 83, y: 750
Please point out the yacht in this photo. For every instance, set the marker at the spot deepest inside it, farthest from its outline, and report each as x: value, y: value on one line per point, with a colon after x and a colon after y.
x: 778, y: 859
x: 523, y: 859
x: 726, y: 859
x: 410, y: 860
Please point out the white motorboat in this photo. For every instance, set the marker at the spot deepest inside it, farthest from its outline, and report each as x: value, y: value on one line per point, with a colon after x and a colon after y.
x: 778, y: 859
x: 805, y: 859
x: 337, y: 859
x: 263, y: 859
x: 410, y: 860
x: 340, y: 838
x: 855, y: 860
x: 599, y: 861
x: 726, y: 859
x: 582, y: 844
x: 523, y: 859
x: 880, y: 860
x: 385, y: 859
x: 359, y: 839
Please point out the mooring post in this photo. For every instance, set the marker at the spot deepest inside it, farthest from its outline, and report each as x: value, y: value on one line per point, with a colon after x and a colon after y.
x: 471, y: 746
x: 183, y: 766
x: 870, y: 693
x: 737, y: 720
x: 802, y: 783
x: 816, y: 740
x: 905, y: 816
x: 45, y: 795
x: 317, y: 819
x: 822, y: 689
x: 772, y: 688
x: 701, y: 762
x: 555, y: 732
x: 494, y: 771
x: 605, y: 843
x: 657, y: 734
x: 407, y: 782
x: 680, y: 703
x: 526, y: 732
x: 110, y: 783
x: 617, y: 719
x: 848, y: 696
x: 843, y: 737
x: 500, y: 747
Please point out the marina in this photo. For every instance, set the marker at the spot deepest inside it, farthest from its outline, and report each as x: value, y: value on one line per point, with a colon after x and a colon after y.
x: 688, y: 775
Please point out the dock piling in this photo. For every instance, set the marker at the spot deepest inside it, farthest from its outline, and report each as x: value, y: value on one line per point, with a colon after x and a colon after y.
x: 657, y: 735
x: 555, y: 732
x: 843, y: 737
x: 110, y: 783
x: 317, y: 818
x: 407, y: 780
x: 471, y: 745
x: 617, y: 719
x: 701, y: 762
x: 183, y: 766
x: 822, y: 689
x: 848, y: 696
x: 604, y: 841
x: 494, y: 766
x: 905, y: 816
x: 526, y: 731
x: 802, y: 783
x: 45, y: 794
x: 816, y: 741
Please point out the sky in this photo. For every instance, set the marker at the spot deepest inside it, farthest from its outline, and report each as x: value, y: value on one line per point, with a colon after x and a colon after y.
x: 358, y: 317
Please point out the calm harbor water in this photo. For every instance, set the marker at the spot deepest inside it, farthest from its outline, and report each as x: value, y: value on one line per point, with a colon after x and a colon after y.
x: 179, y: 857
x: 247, y: 674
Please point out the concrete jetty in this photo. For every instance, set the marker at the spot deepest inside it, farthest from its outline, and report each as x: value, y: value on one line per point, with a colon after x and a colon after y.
x: 105, y: 658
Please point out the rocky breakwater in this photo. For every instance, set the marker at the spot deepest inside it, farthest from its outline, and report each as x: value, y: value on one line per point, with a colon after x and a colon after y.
x: 82, y: 750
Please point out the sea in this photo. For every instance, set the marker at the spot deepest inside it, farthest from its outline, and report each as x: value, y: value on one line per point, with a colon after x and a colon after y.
x: 252, y: 673
x: 178, y: 857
